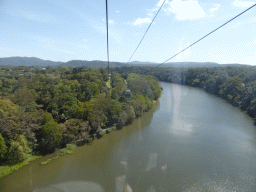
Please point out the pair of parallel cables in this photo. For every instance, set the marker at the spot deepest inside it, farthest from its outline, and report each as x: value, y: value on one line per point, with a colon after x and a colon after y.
x: 150, y: 26
x: 176, y: 53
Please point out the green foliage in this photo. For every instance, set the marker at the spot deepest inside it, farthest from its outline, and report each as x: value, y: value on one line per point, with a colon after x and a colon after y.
x: 46, y: 162
x: 52, y: 135
x: 104, y: 73
x: 136, y: 107
x: 58, y: 106
x: 148, y: 102
x: 236, y: 84
x: 115, y: 93
x: 114, y: 110
x: 67, y: 150
x: 3, y: 147
x: 144, y: 85
x: 108, y: 83
x: 94, y: 88
x: 122, y: 119
x: 47, y: 118
x: 24, y: 144
x: 7, y: 108
x: 196, y: 82
x: 74, y: 129
x: 16, y: 152
x: 229, y: 97
x: 84, y: 110
x: 24, y: 97
x: 8, y: 169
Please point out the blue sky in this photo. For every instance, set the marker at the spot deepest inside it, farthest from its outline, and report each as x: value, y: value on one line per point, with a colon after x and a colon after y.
x: 63, y: 30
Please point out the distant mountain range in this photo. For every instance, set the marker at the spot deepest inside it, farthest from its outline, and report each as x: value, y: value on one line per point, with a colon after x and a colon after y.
x: 33, y: 61
x: 27, y: 61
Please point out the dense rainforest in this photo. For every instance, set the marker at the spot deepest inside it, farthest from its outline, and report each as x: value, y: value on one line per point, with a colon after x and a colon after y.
x: 42, y: 109
x: 236, y: 84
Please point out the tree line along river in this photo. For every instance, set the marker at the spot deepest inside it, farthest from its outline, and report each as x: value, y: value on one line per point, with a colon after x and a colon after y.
x: 189, y: 141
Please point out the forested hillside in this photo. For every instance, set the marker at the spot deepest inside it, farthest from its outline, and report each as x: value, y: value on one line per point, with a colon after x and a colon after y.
x: 36, y: 62
x: 41, y: 110
x: 237, y: 85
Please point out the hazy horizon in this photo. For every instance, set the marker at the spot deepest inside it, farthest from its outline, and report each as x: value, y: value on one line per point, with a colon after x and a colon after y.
x: 129, y: 62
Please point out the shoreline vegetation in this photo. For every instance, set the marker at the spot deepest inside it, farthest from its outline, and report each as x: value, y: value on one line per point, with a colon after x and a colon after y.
x: 68, y: 149
x: 8, y: 169
x: 42, y: 109
x: 234, y: 84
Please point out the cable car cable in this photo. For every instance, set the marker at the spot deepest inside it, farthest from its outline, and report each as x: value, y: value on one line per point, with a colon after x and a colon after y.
x: 107, y: 33
x: 146, y: 32
x: 207, y: 35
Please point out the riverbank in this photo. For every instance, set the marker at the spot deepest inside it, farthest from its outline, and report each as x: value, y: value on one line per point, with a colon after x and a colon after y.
x: 187, y: 128
x: 8, y: 169
x: 251, y: 115
x: 71, y: 146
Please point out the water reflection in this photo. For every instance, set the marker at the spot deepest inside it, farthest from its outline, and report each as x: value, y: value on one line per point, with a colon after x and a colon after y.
x: 122, y: 185
x: 178, y: 126
x: 124, y: 163
x: 181, y: 128
x: 151, y: 189
x: 164, y: 167
x: 152, y: 161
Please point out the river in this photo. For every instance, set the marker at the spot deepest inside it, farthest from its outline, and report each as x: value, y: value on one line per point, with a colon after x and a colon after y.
x: 190, y: 141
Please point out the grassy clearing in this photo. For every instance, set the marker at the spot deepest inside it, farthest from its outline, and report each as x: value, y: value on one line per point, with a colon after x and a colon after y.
x: 108, y: 83
x: 7, y: 169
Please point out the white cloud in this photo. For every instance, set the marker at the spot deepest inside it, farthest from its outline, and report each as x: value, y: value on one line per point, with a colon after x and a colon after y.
x: 141, y: 21
x: 159, y: 4
x: 239, y: 3
x: 117, y: 11
x: 215, y: 8
x: 186, y: 10
x: 110, y: 21
x: 150, y: 12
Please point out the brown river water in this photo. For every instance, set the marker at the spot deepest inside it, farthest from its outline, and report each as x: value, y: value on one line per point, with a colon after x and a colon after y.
x: 190, y: 141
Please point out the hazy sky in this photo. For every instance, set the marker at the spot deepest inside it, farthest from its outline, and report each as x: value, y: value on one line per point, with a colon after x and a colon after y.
x: 63, y: 30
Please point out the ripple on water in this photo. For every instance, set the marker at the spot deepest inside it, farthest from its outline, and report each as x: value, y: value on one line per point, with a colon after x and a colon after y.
x: 207, y: 184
